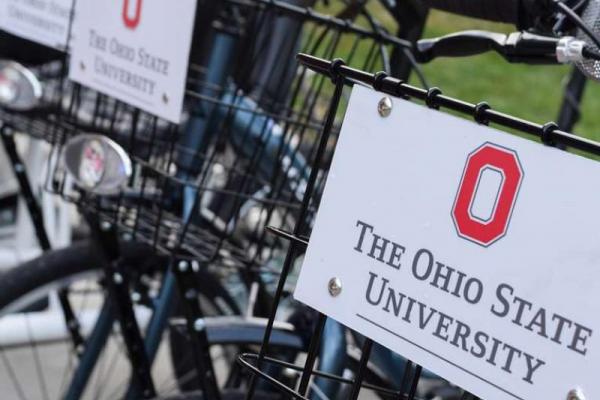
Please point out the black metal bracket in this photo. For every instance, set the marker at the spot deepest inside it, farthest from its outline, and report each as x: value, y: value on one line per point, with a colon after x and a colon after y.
x: 117, y: 282
x: 187, y: 284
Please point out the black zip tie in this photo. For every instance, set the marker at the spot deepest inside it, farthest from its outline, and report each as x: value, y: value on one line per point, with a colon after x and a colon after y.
x: 334, y: 69
x: 378, y: 80
x: 547, y: 130
x: 479, y: 113
x: 432, y: 93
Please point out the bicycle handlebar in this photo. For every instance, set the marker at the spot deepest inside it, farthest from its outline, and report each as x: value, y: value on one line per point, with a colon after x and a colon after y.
x: 522, y: 47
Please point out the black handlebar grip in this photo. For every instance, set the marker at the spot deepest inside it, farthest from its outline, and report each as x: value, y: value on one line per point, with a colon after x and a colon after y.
x: 493, y: 10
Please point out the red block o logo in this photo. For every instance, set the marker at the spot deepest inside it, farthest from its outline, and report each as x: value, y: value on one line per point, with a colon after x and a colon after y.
x: 132, y: 22
x: 506, y: 163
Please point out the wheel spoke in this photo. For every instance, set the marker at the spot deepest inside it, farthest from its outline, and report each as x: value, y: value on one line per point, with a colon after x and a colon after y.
x: 118, y: 350
x: 66, y: 376
x: 36, y: 357
x: 13, y: 376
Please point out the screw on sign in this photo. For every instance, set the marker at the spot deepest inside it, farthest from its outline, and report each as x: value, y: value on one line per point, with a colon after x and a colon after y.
x: 384, y: 107
x: 503, y: 161
x: 334, y: 286
x: 130, y: 21
x: 575, y: 394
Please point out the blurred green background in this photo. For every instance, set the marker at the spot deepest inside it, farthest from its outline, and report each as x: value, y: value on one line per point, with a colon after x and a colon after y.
x: 527, y: 91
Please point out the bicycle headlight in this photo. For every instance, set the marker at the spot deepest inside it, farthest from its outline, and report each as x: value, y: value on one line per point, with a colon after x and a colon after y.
x: 97, y: 163
x: 20, y: 90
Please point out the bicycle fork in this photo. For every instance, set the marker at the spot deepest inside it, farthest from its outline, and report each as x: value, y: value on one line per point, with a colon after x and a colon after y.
x: 118, y: 305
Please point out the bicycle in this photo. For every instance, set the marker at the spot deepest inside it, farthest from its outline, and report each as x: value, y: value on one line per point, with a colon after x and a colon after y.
x: 533, y: 49
x: 144, y: 150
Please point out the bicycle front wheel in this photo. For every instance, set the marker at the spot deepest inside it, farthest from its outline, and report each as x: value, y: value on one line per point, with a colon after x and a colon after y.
x: 38, y: 353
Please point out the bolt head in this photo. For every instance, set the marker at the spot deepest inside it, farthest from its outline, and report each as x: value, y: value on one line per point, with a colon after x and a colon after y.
x: 575, y: 394
x: 334, y: 286
x: 105, y: 226
x: 118, y: 278
x: 183, y: 265
x: 19, y: 168
x: 384, y: 108
x: 136, y: 297
x: 199, y: 325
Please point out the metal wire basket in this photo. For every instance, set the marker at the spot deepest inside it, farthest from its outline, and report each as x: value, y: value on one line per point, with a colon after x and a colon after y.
x: 242, y: 159
x: 265, y: 365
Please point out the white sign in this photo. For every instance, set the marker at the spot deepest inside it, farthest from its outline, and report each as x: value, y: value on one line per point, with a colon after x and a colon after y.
x: 42, y: 21
x: 468, y: 250
x: 136, y: 51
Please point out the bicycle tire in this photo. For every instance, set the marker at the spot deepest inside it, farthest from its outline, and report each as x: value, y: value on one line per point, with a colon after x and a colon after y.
x: 42, y: 270
x: 53, y: 267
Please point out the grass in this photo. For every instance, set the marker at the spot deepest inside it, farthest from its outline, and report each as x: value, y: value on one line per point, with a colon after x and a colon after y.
x: 529, y: 91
